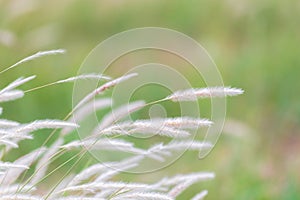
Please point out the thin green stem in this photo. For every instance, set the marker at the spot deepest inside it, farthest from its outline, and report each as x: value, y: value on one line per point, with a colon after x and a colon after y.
x: 40, y: 87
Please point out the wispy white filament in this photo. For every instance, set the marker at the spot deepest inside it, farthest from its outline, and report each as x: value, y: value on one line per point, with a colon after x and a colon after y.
x: 104, y: 87
x: 9, y: 143
x: 142, y: 195
x: 16, y: 83
x: 7, y: 165
x: 186, y: 122
x: 189, y: 144
x: 200, y: 196
x: 178, y: 189
x: 158, y: 151
x: 194, y: 93
x: 4, y: 123
x: 34, y: 56
x: 10, y: 137
x: 180, y: 178
x: 94, y: 186
x: 11, y: 95
x: 105, y: 144
x: 115, y: 82
x: 43, y: 124
x: 144, y: 127
x: 84, y: 76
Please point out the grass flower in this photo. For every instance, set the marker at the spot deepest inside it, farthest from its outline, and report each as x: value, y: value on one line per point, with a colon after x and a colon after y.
x: 21, y: 179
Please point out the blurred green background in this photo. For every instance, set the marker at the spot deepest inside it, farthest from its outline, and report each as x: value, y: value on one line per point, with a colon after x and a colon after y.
x: 255, y: 44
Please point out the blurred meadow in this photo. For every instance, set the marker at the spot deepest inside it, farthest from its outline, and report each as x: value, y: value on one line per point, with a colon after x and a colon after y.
x: 255, y: 44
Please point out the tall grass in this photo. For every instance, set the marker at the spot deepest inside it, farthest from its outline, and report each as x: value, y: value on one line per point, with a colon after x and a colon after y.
x: 23, y: 177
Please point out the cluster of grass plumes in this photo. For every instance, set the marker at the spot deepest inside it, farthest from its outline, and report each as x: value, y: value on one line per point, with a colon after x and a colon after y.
x: 97, y: 180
